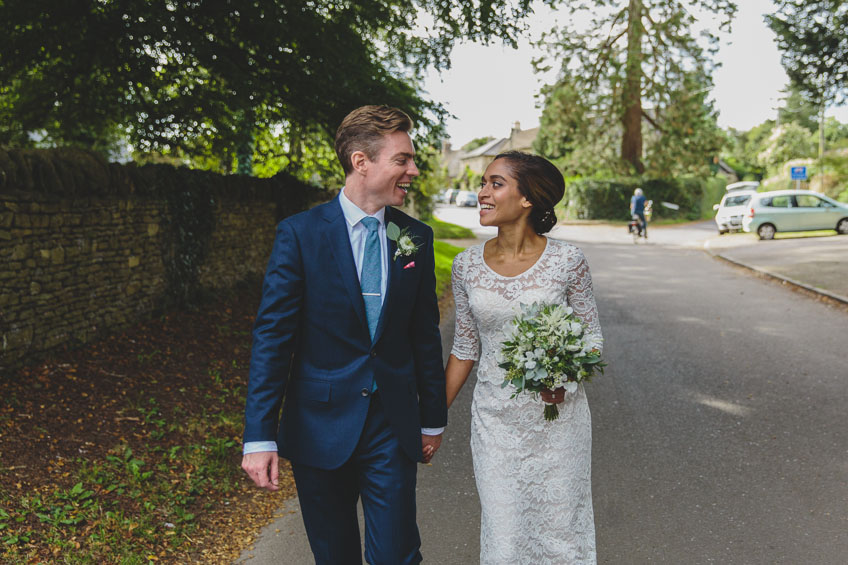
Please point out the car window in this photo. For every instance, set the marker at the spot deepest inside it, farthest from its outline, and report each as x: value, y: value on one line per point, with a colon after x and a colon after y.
x: 777, y: 201
x: 738, y: 200
x: 810, y: 201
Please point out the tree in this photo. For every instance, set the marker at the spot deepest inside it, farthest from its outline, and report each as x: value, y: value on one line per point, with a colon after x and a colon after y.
x: 632, y: 64
x: 798, y: 108
x: 787, y: 142
x: 811, y: 36
x: 212, y: 77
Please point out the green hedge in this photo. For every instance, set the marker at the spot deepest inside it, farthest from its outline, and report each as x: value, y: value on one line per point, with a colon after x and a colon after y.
x: 609, y: 199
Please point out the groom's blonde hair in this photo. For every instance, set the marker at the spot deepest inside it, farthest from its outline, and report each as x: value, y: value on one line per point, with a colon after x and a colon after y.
x: 364, y: 129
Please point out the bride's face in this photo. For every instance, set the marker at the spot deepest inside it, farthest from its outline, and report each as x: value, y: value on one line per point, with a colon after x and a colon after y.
x: 500, y: 200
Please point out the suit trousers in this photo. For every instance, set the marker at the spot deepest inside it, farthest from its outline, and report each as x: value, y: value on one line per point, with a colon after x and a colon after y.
x: 384, y: 477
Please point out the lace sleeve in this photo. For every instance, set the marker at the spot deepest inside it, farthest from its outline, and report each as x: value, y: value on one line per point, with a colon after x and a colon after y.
x: 466, y: 343
x: 579, y: 292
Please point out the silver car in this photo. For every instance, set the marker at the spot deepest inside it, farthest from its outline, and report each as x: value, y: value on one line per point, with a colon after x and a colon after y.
x: 466, y: 198
x: 794, y: 210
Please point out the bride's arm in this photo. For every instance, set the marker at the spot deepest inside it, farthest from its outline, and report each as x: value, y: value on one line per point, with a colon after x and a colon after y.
x: 456, y: 373
x: 580, y: 295
x: 466, y: 342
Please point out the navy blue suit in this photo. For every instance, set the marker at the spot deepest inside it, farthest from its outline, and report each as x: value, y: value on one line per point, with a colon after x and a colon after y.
x: 313, y: 352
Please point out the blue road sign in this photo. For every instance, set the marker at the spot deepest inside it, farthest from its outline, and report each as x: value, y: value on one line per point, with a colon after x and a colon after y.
x: 799, y: 173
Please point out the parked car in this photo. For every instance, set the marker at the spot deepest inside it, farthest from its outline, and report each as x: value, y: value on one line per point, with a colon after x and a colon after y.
x: 450, y: 195
x: 466, y: 198
x: 794, y: 210
x: 731, y: 209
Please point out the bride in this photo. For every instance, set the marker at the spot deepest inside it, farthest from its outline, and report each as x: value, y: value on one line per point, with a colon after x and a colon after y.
x: 533, y: 476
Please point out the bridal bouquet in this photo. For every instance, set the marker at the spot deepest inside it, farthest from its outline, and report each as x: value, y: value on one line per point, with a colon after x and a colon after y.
x: 548, y: 347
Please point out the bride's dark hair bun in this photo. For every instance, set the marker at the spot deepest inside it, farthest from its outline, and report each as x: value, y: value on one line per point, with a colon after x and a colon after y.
x: 541, y: 183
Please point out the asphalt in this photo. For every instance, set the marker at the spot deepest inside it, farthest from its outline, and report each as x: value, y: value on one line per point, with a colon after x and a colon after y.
x: 818, y: 265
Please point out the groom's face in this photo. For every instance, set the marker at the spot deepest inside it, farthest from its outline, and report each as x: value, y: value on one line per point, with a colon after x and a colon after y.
x: 389, y: 175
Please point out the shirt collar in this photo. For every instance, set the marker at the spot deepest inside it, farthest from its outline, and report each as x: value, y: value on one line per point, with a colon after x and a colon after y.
x: 353, y: 214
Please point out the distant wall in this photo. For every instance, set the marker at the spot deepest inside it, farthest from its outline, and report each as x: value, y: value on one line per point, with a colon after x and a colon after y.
x: 89, y: 247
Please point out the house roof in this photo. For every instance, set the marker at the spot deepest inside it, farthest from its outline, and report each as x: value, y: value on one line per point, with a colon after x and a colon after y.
x: 490, y: 148
x: 524, y: 138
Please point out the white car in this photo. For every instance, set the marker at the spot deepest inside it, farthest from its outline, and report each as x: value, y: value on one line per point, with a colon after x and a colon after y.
x: 466, y: 198
x: 732, y: 208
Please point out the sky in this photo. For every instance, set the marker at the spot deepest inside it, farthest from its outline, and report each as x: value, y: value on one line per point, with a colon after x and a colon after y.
x: 488, y: 88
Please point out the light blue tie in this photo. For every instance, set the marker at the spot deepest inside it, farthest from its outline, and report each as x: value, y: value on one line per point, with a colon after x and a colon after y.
x: 370, y: 279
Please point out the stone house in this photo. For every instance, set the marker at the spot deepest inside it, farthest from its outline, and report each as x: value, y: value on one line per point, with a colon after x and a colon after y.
x: 476, y: 160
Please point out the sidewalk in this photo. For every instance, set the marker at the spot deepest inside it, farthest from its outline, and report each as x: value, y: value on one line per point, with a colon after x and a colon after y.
x: 817, y: 264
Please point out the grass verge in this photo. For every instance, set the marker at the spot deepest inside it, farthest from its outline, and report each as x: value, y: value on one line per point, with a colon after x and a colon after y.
x: 445, y: 230
x: 445, y: 252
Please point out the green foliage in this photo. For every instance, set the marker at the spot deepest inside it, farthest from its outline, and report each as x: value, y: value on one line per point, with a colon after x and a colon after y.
x: 609, y: 199
x: 799, y: 108
x: 631, y: 56
x: 789, y: 141
x: 189, y: 224
x: 444, y: 254
x: 201, y: 81
x: 811, y: 36
x: 476, y: 142
x: 433, y: 179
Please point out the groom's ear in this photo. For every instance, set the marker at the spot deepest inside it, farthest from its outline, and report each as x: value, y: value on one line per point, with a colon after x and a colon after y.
x: 359, y: 161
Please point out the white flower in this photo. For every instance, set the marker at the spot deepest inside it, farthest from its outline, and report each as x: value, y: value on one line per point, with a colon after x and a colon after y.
x: 570, y: 386
x: 405, y: 244
x: 530, y: 364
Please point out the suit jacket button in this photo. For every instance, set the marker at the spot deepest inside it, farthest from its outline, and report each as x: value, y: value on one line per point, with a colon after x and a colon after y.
x: 373, y: 353
x: 365, y: 392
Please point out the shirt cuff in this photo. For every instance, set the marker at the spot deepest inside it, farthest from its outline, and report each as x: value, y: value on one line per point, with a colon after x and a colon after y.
x: 257, y: 446
x: 432, y: 431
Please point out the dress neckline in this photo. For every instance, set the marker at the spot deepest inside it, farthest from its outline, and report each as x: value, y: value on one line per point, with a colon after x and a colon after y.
x: 482, y: 247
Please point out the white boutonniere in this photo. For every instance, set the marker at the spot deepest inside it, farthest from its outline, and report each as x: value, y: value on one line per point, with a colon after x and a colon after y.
x: 404, y: 241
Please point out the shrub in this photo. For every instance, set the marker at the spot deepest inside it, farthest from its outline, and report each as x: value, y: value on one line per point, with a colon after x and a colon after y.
x: 609, y: 199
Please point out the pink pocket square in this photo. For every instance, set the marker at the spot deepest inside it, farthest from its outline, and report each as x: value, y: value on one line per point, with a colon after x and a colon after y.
x: 409, y: 265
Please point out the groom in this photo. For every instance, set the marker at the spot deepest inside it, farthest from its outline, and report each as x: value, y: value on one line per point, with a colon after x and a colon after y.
x: 347, y: 337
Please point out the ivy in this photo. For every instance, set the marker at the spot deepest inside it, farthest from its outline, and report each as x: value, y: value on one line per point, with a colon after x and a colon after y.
x: 189, y: 223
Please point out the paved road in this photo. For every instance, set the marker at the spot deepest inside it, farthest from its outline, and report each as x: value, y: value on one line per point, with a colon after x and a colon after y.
x: 720, y: 429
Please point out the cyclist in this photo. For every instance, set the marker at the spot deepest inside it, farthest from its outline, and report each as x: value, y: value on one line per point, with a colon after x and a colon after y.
x: 637, y: 208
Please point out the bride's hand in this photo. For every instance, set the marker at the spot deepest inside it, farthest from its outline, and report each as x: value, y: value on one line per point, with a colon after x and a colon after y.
x: 553, y: 396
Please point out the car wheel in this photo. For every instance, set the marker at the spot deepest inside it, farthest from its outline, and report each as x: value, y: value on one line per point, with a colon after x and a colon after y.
x: 766, y: 231
x: 722, y: 232
x: 842, y: 226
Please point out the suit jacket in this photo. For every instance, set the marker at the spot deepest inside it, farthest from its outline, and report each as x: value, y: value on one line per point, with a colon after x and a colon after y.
x: 312, y: 347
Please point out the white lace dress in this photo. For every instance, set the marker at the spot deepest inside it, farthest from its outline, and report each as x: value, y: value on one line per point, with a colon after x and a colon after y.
x: 533, y: 477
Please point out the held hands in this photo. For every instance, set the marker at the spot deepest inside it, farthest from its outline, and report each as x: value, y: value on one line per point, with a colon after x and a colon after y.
x: 429, y: 446
x: 553, y: 396
x: 263, y: 468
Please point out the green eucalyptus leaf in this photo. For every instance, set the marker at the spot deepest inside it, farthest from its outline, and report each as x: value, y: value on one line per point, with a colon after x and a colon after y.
x: 392, y: 231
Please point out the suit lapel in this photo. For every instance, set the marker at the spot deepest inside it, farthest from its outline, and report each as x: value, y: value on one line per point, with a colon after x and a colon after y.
x: 338, y: 241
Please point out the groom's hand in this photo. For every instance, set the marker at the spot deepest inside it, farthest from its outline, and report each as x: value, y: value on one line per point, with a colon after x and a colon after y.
x: 263, y: 468
x: 429, y: 446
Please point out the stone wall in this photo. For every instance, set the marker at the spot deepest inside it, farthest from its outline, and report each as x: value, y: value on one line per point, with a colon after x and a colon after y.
x: 76, y: 267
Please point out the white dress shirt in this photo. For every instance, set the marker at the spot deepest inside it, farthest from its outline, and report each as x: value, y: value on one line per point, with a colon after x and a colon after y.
x: 357, y: 232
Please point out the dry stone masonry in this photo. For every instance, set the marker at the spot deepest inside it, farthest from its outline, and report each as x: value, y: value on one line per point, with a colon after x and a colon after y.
x: 88, y: 247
